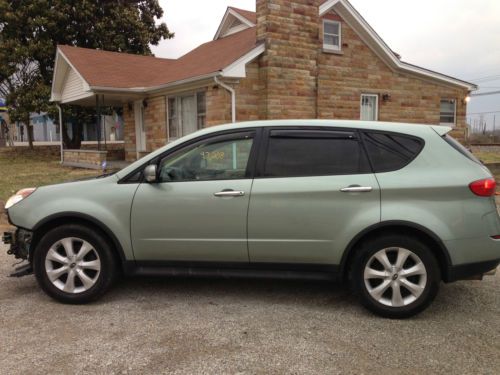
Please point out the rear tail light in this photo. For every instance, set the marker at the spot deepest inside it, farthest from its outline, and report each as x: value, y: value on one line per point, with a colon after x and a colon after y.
x: 484, y: 188
x: 497, y: 237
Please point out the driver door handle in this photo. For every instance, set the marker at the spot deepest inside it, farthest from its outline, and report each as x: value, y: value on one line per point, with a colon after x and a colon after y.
x: 356, y: 189
x: 229, y: 193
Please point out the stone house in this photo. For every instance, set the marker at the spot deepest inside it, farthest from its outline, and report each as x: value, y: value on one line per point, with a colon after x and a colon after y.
x: 291, y: 59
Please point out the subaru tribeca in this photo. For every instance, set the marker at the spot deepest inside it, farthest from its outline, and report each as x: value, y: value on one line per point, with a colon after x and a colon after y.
x: 394, y: 209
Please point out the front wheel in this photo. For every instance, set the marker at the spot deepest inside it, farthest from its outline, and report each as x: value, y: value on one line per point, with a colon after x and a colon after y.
x: 395, y: 276
x: 74, y: 264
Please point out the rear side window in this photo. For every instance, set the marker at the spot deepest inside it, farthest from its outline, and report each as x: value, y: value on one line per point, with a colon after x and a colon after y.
x: 296, y: 153
x: 390, y: 152
x: 457, y: 146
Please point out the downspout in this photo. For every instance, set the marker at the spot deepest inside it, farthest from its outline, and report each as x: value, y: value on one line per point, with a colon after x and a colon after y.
x: 233, y: 97
x: 61, y: 132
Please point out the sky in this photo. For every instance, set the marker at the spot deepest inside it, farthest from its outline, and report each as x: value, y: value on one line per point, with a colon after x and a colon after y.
x: 460, y: 38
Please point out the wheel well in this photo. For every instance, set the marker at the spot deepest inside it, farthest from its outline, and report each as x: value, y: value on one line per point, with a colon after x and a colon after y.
x: 39, y: 232
x: 436, y: 246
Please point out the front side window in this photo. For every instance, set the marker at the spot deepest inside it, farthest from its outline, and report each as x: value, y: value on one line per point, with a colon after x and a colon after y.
x: 448, y: 112
x: 210, y: 160
x: 369, y: 107
x: 390, y: 152
x: 296, y: 153
x: 331, y: 35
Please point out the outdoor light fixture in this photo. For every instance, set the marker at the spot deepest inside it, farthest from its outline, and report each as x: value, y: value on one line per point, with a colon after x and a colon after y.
x: 145, y: 103
x: 467, y: 99
x: 386, y: 97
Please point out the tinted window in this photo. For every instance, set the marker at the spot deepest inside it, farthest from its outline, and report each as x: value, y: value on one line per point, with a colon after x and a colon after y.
x: 210, y: 160
x: 457, y: 146
x: 294, y: 153
x: 390, y: 152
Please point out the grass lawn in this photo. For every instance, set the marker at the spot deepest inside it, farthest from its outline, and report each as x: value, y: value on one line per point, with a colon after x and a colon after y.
x: 19, y: 171
x: 488, y: 157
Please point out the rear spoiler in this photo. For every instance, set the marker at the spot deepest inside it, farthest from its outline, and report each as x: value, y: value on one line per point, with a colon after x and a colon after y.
x: 441, y: 130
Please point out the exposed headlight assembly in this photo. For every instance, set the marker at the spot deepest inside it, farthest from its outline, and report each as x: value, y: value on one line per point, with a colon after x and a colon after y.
x: 18, y: 197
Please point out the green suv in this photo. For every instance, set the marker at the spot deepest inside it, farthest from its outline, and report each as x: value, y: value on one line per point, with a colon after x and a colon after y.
x: 394, y: 209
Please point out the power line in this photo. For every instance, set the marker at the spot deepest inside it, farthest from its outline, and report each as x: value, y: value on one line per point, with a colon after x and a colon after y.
x: 482, y: 113
x: 487, y: 78
x: 485, y: 93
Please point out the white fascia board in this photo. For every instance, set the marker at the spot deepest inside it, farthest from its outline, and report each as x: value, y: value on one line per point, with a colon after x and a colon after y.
x: 238, y: 68
x: 78, y: 97
x: 230, y: 12
x: 148, y: 90
x: 346, y: 10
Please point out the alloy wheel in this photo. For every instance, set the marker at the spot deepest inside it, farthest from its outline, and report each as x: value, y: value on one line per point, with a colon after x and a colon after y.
x: 72, y: 265
x: 395, y: 277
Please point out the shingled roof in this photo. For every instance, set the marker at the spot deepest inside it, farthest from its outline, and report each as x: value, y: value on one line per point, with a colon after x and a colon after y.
x: 121, y: 70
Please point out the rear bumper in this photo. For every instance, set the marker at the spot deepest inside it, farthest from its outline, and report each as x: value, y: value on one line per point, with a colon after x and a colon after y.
x: 471, y: 270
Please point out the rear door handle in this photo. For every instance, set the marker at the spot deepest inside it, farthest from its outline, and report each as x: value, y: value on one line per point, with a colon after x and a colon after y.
x: 356, y: 189
x: 229, y: 193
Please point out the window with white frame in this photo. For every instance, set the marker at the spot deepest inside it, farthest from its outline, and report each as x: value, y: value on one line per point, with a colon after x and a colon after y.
x: 186, y: 114
x: 369, y: 107
x: 332, y: 35
x: 448, y: 112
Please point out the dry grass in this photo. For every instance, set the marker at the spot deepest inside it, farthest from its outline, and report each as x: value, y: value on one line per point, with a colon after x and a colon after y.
x: 488, y: 157
x: 18, y: 171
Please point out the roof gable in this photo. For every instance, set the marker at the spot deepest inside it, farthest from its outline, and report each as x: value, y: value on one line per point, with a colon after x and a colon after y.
x: 369, y: 36
x: 104, y: 70
x: 235, y: 20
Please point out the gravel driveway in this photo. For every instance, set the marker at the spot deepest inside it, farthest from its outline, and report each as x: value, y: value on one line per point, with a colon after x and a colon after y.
x: 251, y: 327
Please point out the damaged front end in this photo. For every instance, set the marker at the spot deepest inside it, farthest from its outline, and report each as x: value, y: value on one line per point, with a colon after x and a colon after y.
x: 20, y: 242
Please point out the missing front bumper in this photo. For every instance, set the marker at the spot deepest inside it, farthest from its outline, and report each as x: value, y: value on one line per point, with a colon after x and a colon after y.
x: 20, y: 242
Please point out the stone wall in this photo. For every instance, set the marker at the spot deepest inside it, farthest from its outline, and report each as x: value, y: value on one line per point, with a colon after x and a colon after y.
x: 357, y: 70
x: 155, y: 119
x: 129, y: 132
x: 218, y: 105
x: 84, y: 158
x: 289, y: 30
x: 116, y: 150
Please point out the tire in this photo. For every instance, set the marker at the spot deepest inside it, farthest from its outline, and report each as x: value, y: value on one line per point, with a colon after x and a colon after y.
x: 376, y: 279
x: 79, y: 275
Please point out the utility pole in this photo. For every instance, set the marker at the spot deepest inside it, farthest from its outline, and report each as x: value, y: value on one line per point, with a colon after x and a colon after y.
x: 494, y: 123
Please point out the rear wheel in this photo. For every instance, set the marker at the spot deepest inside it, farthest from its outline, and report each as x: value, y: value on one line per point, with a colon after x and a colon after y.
x: 395, y: 276
x: 74, y: 264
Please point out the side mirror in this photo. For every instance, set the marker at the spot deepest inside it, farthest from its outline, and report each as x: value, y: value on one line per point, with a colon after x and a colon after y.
x: 150, y: 173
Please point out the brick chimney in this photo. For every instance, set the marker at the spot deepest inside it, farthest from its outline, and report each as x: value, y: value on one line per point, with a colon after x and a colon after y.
x: 290, y: 30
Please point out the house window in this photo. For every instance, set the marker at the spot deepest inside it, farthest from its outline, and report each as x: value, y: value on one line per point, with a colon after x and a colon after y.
x: 186, y: 114
x: 369, y: 107
x: 332, y: 37
x: 201, y: 107
x: 448, y: 112
x: 173, y: 124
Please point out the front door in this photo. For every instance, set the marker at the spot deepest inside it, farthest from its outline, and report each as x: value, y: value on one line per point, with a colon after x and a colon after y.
x: 198, y: 209
x: 315, y: 192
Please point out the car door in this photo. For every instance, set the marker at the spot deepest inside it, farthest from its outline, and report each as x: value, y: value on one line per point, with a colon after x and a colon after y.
x: 197, y: 211
x: 313, y: 193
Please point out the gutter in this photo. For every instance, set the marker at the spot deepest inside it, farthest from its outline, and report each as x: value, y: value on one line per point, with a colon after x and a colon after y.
x: 233, y: 97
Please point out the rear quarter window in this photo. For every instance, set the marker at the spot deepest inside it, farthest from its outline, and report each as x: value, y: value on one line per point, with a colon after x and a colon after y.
x: 390, y: 152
